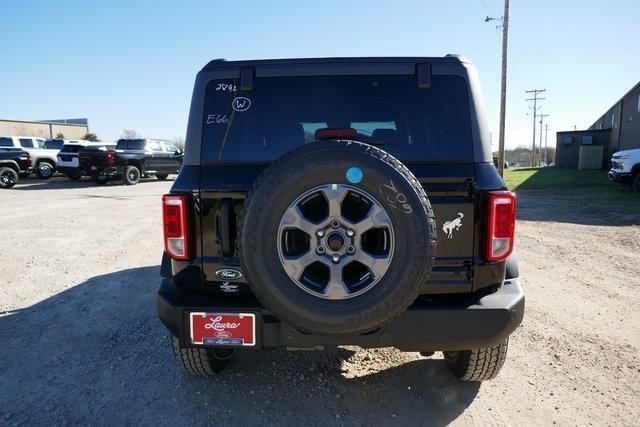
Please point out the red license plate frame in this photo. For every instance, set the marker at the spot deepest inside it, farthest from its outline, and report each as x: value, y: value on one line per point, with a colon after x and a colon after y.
x: 222, y: 328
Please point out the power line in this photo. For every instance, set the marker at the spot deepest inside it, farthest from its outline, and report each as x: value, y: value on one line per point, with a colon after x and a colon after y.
x: 537, y: 24
x: 546, y: 129
x: 487, y: 8
x: 542, y: 116
x: 503, y: 82
x: 535, y: 100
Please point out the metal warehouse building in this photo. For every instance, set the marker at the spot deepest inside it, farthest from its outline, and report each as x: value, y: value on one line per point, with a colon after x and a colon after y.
x: 617, y: 129
x: 623, y: 119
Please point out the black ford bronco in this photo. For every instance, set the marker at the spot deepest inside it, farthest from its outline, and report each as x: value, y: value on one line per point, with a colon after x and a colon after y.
x: 347, y: 201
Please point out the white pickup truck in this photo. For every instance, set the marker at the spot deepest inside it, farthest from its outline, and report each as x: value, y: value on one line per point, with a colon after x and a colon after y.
x: 625, y: 168
x: 43, y: 152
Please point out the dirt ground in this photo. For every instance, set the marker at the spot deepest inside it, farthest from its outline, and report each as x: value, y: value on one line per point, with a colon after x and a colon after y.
x: 80, y: 342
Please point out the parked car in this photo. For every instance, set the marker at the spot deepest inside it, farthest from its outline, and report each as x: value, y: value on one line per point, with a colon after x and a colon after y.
x: 625, y: 168
x: 13, y: 162
x: 318, y: 207
x: 68, y: 157
x: 132, y: 159
x: 44, y: 160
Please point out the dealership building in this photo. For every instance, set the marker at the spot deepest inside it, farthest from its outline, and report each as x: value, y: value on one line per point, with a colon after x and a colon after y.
x: 70, y: 128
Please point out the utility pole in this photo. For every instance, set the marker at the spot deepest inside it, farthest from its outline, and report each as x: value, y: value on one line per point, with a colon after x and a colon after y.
x: 542, y: 116
x: 503, y: 82
x: 546, y: 129
x: 535, y: 100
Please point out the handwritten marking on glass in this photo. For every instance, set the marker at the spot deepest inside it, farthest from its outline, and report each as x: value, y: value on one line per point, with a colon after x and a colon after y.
x: 227, y: 87
x: 216, y: 119
x: 241, y: 103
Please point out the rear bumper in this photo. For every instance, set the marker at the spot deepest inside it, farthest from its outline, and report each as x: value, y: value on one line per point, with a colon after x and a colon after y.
x: 109, y: 171
x: 447, y: 323
x: 68, y: 170
x: 621, y: 177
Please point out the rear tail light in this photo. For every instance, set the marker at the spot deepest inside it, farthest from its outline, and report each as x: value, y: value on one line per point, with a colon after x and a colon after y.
x: 501, y: 225
x: 111, y: 158
x: 176, y: 226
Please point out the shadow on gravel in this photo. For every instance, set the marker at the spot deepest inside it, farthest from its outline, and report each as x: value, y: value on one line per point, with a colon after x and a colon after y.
x: 96, y: 354
x: 579, y: 207
x: 63, y: 183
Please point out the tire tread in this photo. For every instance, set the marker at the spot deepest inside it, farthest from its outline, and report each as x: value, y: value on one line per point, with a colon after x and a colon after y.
x: 480, y: 364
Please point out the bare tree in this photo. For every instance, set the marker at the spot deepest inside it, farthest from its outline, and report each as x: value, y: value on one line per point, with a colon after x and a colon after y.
x: 179, y: 142
x: 91, y: 137
x: 130, y: 134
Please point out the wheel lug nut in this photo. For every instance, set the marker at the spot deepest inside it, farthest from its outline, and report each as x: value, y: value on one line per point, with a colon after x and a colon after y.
x: 350, y: 233
x: 351, y: 250
x: 320, y: 250
x: 335, y: 223
x: 320, y: 233
x: 335, y: 258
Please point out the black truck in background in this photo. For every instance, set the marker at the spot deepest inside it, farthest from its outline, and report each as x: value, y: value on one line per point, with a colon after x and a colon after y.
x: 13, y: 163
x: 132, y: 159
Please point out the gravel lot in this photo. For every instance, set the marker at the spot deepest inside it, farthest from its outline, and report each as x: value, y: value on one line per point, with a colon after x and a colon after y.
x: 80, y: 342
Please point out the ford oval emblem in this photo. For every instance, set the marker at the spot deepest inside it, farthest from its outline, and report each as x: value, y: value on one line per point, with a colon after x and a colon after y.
x: 229, y: 274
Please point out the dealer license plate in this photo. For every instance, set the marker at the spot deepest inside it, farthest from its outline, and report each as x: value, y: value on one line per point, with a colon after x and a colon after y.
x: 234, y: 329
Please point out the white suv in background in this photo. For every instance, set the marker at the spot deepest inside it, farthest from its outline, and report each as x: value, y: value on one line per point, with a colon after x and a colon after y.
x: 625, y: 168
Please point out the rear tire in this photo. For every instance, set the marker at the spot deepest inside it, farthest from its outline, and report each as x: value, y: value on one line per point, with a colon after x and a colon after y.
x: 45, y: 170
x: 635, y: 182
x: 477, y: 365
x: 101, y: 179
x: 8, y: 177
x: 200, y: 361
x: 131, y: 175
x: 162, y: 176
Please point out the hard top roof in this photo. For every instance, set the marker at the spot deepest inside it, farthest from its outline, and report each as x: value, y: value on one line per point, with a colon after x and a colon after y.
x: 223, y: 63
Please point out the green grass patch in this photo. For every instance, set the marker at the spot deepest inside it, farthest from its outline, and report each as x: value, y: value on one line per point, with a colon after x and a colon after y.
x: 589, y: 193
x: 544, y: 178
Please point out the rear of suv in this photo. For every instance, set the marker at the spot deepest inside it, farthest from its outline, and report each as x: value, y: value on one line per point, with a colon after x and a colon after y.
x: 348, y: 201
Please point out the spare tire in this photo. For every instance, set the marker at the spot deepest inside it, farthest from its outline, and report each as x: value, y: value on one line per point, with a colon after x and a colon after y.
x: 337, y: 238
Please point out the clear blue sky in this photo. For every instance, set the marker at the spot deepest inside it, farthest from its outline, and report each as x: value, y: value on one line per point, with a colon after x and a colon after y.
x: 131, y: 64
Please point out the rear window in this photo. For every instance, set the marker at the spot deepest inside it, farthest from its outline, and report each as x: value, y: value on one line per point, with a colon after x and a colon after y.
x: 68, y: 148
x: 6, y: 142
x: 53, y: 144
x: 389, y: 111
x: 26, y: 143
x: 130, y: 144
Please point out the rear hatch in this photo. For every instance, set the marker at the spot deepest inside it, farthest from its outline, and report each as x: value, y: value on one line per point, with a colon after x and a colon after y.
x: 428, y: 128
x: 92, y: 158
x: 68, y: 155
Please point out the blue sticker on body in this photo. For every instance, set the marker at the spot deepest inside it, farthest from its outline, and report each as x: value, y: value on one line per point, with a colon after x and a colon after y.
x: 354, y: 174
